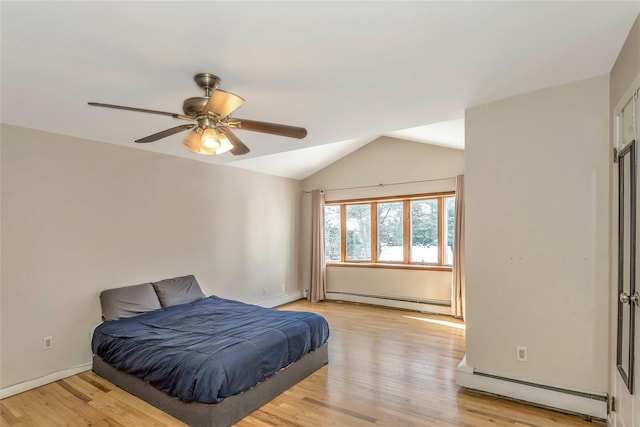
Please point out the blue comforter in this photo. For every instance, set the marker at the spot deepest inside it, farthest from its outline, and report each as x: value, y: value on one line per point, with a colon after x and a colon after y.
x: 209, y: 349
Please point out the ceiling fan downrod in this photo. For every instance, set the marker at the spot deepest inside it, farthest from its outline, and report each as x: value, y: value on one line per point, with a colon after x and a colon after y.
x: 208, y: 82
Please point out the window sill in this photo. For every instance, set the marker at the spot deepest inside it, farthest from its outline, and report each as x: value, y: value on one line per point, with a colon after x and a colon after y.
x: 443, y: 268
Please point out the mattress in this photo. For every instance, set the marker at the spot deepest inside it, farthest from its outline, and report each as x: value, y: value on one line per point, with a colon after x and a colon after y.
x: 209, y: 349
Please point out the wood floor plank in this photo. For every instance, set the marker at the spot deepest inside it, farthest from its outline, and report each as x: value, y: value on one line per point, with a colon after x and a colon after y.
x: 386, y: 367
x: 128, y: 410
x: 8, y: 417
x: 77, y: 393
x: 94, y: 382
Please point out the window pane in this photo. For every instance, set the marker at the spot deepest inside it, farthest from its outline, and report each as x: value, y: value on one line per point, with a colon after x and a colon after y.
x: 424, y: 231
x: 450, y: 209
x: 390, y: 232
x: 332, y: 233
x: 358, y: 232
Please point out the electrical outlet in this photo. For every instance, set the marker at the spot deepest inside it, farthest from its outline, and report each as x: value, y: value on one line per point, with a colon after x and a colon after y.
x: 264, y: 292
x: 522, y: 354
x: 283, y: 288
x: 47, y: 343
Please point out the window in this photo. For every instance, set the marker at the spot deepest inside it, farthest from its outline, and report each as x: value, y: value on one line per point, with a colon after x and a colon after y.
x: 424, y: 231
x: 358, y: 232
x: 390, y: 232
x: 449, y: 218
x: 332, y: 233
x: 409, y: 230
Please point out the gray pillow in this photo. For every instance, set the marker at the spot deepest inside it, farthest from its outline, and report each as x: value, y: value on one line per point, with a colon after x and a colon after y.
x: 179, y: 290
x: 128, y: 301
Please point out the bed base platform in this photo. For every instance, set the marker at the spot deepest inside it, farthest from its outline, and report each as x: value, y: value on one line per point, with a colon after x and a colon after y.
x: 230, y: 410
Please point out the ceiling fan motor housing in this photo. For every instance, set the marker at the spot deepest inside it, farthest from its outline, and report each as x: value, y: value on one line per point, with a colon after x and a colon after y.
x: 208, y: 82
x: 193, y: 106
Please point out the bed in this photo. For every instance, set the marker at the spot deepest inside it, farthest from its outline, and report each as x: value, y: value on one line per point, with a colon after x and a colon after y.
x: 208, y: 361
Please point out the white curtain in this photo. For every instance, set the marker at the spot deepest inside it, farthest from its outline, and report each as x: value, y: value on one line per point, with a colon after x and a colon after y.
x: 457, y: 300
x: 318, y: 287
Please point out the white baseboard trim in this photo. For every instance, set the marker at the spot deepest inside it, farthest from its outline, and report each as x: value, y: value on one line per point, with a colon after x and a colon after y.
x: 281, y: 299
x: 56, y: 376
x: 591, y: 404
x: 390, y: 302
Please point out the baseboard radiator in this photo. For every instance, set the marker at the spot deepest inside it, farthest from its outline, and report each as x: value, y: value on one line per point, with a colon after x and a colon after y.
x: 424, y: 305
x: 571, y: 401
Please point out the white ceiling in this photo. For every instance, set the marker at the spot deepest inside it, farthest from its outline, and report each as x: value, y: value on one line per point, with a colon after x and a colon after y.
x: 347, y: 71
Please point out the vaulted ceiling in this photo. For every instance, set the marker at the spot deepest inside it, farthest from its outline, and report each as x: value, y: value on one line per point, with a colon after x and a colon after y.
x: 347, y: 71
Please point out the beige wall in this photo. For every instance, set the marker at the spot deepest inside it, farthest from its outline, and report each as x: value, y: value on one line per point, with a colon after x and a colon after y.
x: 421, y: 285
x: 627, y: 66
x: 79, y: 217
x: 537, y: 250
x: 383, y: 161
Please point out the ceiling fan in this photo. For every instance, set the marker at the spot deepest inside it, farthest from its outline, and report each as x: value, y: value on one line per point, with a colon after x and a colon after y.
x: 211, y: 125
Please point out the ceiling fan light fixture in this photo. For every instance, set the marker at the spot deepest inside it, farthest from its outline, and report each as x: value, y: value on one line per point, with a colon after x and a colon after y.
x: 207, y: 142
x: 210, y: 141
x: 225, y: 144
x: 192, y: 141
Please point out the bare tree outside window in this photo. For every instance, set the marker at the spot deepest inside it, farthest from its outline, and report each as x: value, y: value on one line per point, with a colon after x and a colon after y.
x: 424, y: 231
x: 450, y: 209
x: 391, y: 231
x: 332, y: 233
x: 358, y: 241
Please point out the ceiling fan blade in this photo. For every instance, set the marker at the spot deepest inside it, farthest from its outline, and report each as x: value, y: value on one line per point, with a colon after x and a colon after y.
x: 165, y: 133
x: 265, y: 127
x: 141, y: 110
x: 223, y: 103
x: 238, y: 147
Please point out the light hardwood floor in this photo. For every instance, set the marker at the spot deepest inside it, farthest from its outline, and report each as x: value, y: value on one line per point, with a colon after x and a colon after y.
x: 386, y: 367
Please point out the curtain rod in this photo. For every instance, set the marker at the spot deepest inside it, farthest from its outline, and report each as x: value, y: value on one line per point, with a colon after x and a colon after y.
x: 383, y: 185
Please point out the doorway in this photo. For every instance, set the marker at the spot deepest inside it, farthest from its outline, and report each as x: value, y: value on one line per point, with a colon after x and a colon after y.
x: 625, y: 384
